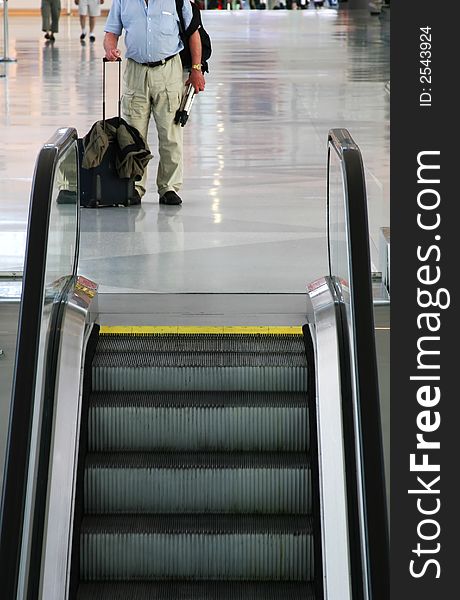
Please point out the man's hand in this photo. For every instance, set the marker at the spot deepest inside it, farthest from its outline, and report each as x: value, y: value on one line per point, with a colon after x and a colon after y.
x: 112, y: 54
x: 110, y: 46
x: 196, y: 78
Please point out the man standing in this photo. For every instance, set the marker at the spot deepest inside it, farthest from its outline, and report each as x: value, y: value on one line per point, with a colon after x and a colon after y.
x: 153, y: 78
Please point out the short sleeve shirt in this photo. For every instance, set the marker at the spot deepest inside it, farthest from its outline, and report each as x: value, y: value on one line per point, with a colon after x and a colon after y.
x: 151, y: 30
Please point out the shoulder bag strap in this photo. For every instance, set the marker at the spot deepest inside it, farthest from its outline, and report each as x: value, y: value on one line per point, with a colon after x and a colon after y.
x: 179, y: 7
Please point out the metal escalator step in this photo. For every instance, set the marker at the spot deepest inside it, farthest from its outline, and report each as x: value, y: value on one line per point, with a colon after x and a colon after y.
x: 145, y: 377
x: 290, y: 343
x: 196, y: 590
x: 197, y: 460
x: 198, y: 359
x: 198, y: 482
x: 205, y: 524
x: 218, y: 547
x: 211, y: 399
x: 152, y: 369
x: 246, y: 421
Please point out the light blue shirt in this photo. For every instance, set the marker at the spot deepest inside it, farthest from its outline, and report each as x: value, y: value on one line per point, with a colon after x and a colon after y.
x: 151, y: 31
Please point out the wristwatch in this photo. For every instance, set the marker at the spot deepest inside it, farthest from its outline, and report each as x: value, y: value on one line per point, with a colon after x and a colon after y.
x: 197, y: 67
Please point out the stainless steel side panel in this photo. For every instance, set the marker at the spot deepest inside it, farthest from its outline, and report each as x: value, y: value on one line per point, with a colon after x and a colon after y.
x: 10, y: 297
x: 382, y: 320
x: 57, y: 542
x: 334, y: 525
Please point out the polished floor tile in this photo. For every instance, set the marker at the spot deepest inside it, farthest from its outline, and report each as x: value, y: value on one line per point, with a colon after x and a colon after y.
x: 254, y: 211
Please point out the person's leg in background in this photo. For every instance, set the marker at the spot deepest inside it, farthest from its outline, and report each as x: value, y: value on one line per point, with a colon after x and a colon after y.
x: 94, y: 8
x: 55, y: 15
x: 46, y: 18
x: 82, y: 11
x: 136, y: 105
x: 92, y: 23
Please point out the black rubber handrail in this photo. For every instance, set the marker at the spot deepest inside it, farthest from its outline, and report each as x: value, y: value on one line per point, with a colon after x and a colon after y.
x: 368, y: 402
x: 24, y: 382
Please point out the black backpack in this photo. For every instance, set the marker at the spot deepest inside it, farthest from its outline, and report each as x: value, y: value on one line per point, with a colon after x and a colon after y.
x: 186, y: 33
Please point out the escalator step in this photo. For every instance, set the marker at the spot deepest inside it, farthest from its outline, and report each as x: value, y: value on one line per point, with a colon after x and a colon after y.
x: 216, y: 399
x: 196, y: 590
x: 195, y: 421
x: 139, y: 375
x: 197, y: 460
x: 208, y: 360
x: 197, y: 524
x: 198, y: 482
x: 219, y: 547
x: 287, y: 343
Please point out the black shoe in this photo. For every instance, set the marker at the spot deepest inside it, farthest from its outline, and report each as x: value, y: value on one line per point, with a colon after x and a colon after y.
x: 92, y: 38
x: 136, y: 198
x: 47, y: 36
x: 170, y: 198
x: 82, y: 36
x: 52, y: 38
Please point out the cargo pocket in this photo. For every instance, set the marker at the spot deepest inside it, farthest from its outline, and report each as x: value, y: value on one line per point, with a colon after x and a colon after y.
x: 133, y: 105
x: 174, y: 98
x: 127, y: 103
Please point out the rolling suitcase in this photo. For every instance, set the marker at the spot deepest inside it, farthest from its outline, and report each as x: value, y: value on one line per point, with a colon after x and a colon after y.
x: 101, y: 186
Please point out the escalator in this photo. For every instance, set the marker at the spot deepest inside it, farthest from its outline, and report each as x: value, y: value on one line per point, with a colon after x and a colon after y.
x: 225, y: 463
x: 197, y: 477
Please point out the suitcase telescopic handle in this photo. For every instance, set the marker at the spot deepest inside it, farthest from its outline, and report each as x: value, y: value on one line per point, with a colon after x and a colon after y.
x: 104, y: 61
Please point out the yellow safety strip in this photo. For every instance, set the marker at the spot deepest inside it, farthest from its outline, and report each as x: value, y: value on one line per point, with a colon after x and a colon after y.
x: 143, y: 329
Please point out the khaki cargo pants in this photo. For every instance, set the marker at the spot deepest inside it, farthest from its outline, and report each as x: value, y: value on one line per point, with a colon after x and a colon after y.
x: 157, y: 91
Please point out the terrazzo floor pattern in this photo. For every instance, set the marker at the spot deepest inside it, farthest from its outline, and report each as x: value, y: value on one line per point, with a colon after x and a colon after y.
x: 254, y: 198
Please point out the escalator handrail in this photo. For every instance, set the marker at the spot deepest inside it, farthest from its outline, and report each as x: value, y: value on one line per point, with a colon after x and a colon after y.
x: 24, y: 381
x: 371, y: 455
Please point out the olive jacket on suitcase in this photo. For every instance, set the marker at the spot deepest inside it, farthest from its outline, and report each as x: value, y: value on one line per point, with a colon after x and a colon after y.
x: 132, y: 153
